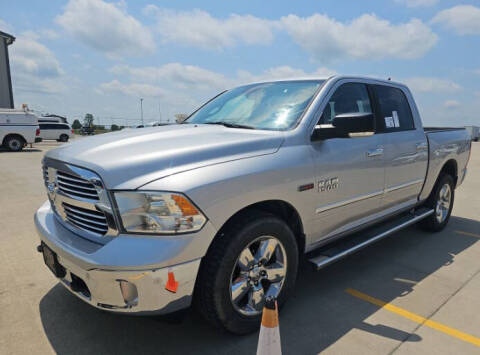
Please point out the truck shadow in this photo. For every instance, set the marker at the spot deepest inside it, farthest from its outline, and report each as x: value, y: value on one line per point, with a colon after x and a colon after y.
x: 25, y: 150
x: 319, y: 313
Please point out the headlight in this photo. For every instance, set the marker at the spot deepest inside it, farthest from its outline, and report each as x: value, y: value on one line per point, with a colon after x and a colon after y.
x: 158, y: 212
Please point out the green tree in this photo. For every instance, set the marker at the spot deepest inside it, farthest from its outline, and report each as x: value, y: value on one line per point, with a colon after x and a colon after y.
x: 76, y: 124
x: 88, y: 120
x: 114, y: 127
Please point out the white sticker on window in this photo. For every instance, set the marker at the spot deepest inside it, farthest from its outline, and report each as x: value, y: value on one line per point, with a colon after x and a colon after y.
x: 396, y: 121
x: 389, y: 123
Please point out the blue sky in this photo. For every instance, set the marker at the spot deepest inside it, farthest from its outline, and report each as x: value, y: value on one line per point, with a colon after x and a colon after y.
x: 78, y: 56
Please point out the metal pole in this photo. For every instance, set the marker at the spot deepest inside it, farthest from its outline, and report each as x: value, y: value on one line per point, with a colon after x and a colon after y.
x: 141, y: 109
x: 159, y: 111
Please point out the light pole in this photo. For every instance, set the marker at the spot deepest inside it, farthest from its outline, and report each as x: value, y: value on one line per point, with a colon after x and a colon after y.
x: 159, y: 111
x: 141, y: 109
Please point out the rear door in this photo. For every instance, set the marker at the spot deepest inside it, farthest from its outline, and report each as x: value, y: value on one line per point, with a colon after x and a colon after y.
x: 405, y: 147
x: 48, y: 130
x: 57, y: 130
x: 349, y: 171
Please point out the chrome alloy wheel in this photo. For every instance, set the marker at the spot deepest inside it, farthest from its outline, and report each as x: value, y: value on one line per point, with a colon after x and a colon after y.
x: 443, y: 203
x: 258, y: 273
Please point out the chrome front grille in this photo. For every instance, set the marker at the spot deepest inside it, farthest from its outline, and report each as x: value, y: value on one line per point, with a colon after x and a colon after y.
x: 94, y: 221
x: 75, y: 186
x: 79, y: 199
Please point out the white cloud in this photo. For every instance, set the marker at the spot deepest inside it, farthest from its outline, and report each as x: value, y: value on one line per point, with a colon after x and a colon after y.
x: 198, y: 28
x: 366, y: 37
x: 451, y: 104
x: 193, y: 78
x: 133, y: 89
x: 417, y: 3
x: 35, y: 68
x: 106, y: 27
x: 428, y: 84
x: 283, y: 72
x: 4, y: 26
x: 33, y: 58
x: 463, y: 19
x: 175, y: 74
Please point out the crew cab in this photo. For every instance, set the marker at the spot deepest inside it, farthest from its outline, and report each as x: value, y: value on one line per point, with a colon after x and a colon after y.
x: 18, y: 127
x: 220, y: 208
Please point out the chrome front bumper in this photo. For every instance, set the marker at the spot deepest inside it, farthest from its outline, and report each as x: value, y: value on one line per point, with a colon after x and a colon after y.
x: 103, y: 268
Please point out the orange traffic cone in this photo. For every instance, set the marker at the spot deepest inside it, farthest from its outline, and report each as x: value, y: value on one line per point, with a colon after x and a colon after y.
x: 171, y: 284
x: 269, y: 339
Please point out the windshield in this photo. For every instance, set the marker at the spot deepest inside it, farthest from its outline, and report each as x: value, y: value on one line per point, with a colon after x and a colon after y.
x: 272, y: 106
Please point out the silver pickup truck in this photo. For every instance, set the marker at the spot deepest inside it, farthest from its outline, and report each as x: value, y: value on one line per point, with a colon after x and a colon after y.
x: 218, y: 210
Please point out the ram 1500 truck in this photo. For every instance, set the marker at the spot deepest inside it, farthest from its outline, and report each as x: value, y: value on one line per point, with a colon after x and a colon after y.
x: 219, y: 209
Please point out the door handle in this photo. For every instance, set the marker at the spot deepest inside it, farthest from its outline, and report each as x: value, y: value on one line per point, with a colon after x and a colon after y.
x: 374, y: 152
x: 421, y: 146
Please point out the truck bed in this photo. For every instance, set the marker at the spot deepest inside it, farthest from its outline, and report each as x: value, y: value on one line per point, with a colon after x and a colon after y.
x: 445, y: 144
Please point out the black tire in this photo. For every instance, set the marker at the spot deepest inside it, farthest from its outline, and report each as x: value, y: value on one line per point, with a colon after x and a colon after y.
x: 212, y: 293
x: 14, y: 143
x: 63, y: 138
x: 432, y: 222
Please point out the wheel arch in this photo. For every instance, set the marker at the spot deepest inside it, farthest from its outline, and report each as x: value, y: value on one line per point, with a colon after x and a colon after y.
x: 450, y: 167
x: 9, y: 135
x: 281, y: 209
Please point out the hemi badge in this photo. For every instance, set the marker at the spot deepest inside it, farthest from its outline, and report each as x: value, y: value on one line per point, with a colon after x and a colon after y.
x: 306, y: 187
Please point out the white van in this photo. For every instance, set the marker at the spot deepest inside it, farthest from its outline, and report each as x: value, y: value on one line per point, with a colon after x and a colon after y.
x: 60, y: 132
x: 18, y: 127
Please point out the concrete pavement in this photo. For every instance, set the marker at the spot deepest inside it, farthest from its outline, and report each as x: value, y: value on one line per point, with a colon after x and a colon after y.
x: 434, y: 276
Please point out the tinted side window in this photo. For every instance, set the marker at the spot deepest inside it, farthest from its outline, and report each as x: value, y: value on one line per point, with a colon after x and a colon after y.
x: 348, y: 98
x: 43, y: 126
x: 63, y: 126
x: 395, y: 112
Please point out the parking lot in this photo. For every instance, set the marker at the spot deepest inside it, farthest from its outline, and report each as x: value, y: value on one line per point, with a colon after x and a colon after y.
x: 414, y: 292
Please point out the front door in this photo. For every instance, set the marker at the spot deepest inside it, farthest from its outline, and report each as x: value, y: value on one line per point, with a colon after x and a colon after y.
x: 349, y: 171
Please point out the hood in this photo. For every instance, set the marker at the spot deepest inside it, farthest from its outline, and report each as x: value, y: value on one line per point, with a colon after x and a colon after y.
x: 131, y: 158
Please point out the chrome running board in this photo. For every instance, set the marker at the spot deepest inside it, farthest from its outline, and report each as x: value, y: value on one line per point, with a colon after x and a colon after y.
x: 337, y: 250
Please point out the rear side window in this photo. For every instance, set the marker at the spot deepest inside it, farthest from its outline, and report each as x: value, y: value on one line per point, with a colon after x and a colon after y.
x: 45, y: 126
x: 348, y: 98
x: 395, y: 112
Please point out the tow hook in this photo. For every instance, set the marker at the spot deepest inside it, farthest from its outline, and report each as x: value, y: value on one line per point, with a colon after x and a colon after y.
x: 40, y: 248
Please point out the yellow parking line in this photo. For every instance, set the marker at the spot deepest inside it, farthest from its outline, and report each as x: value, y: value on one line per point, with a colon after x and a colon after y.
x: 468, y: 233
x: 416, y: 318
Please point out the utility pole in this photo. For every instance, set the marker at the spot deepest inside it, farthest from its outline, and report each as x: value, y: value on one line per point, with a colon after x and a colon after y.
x: 141, y: 109
x: 159, y: 111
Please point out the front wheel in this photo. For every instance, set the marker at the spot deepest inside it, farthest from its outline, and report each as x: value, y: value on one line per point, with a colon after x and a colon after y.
x: 255, y: 257
x: 441, y: 201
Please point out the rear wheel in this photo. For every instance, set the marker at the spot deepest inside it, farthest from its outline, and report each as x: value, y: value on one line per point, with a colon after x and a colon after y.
x: 441, y: 201
x: 256, y: 256
x: 15, y: 143
x: 63, y: 138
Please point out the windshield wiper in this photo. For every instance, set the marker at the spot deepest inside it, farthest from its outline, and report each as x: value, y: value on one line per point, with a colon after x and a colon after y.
x: 231, y: 125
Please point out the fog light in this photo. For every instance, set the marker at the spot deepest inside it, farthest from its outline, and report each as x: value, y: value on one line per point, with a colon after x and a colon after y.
x: 129, y: 293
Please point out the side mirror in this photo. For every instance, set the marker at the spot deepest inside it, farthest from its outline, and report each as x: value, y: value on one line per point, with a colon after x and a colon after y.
x: 344, y: 124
